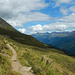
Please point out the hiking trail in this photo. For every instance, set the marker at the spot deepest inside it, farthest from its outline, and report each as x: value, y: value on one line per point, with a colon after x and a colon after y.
x: 17, y: 66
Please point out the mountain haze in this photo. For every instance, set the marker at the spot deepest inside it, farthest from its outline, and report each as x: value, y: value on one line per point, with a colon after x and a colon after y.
x: 62, y: 40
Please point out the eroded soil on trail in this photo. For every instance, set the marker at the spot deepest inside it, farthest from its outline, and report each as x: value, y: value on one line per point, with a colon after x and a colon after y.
x: 17, y: 66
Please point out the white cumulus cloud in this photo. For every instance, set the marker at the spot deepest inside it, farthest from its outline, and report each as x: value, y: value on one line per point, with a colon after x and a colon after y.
x: 28, y: 17
x: 69, y: 18
x: 58, y: 2
x: 22, y: 30
x: 72, y: 8
x: 64, y: 11
x: 17, y: 12
x: 57, y: 26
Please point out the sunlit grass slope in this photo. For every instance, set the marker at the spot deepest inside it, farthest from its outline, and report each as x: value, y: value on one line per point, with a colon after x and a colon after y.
x: 5, y: 55
x: 47, y: 61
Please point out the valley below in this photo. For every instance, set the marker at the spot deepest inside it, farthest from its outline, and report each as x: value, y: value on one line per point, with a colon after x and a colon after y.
x: 62, y: 40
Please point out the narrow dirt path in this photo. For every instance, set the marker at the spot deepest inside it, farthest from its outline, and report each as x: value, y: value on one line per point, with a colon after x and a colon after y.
x: 17, y: 66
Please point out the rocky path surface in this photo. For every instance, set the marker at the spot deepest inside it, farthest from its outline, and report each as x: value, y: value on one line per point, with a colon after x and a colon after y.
x: 17, y: 66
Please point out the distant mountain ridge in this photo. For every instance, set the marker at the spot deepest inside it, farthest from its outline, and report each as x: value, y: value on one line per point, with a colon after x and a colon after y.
x: 8, y: 31
x: 62, y: 40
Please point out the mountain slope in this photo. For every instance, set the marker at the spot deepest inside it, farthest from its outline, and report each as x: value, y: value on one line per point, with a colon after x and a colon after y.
x: 9, y: 31
x: 48, y: 61
x: 5, y: 25
x: 62, y: 40
x: 44, y: 61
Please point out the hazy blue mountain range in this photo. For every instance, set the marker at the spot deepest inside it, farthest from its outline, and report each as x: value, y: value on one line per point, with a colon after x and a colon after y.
x: 62, y: 40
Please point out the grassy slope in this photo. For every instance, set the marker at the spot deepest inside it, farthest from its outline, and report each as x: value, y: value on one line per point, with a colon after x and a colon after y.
x: 9, y: 31
x: 60, y: 64
x: 5, y: 55
x: 5, y: 25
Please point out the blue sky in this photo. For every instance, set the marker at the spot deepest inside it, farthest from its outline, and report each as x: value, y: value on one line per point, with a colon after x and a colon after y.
x: 39, y: 16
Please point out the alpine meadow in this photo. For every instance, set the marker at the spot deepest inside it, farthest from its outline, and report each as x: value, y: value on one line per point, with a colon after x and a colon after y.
x: 37, y: 37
